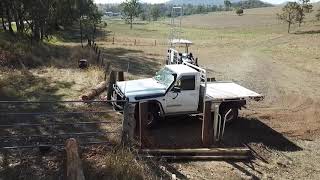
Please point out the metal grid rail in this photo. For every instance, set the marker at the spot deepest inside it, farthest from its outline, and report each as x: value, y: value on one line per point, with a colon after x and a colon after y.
x: 51, y: 136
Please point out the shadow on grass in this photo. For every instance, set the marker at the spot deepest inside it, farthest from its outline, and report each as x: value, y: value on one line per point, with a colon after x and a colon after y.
x: 138, y: 64
x: 37, y: 163
x: 308, y: 32
x: 246, y: 131
x: 72, y: 34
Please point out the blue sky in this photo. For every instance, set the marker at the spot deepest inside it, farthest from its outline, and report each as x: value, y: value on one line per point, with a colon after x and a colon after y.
x: 162, y: 1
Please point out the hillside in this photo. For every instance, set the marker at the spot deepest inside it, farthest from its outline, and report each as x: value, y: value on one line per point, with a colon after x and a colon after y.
x: 217, y: 2
x: 197, y: 2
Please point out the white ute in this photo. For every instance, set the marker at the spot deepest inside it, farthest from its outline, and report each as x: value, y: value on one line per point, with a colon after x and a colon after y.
x: 182, y: 89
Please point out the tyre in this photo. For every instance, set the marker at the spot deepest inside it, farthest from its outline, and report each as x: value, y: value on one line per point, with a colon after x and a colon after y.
x: 232, y: 116
x: 153, y: 115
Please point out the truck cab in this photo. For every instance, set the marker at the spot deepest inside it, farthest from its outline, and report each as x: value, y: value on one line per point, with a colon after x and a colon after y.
x: 175, y: 88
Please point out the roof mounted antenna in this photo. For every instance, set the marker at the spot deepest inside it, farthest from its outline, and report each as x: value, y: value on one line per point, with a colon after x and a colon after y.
x: 175, y: 31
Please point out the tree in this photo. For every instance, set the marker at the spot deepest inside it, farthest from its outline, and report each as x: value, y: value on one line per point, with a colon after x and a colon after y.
x: 239, y: 11
x: 39, y: 19
x: 300, y: 15
x: 306, y: 6
x: 290, y: 13
x: 155, y: 12
x: 227, y: 5
x: 318, y: 15
x: 130, y: 10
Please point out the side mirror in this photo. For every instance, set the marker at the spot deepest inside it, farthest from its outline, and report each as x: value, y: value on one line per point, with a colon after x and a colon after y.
x: 176, y: 89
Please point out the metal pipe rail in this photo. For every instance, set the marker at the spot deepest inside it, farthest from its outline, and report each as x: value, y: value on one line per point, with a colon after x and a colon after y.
x: 58, y: 135
x: 57, y: 102
x: 54, y: 113
x: 55, y: 124
x: 56, y: 145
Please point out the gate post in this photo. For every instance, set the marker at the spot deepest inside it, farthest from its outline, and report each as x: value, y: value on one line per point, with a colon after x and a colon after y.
x: 111, y: 82
x: 207, y: 125
x: 128, y: 124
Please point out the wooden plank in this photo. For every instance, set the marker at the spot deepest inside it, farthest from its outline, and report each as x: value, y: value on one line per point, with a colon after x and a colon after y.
x: 207, y: 126
x: 197, y: 151
x: 143, y: 116
x: 238, y: 157
x: 74, y: 165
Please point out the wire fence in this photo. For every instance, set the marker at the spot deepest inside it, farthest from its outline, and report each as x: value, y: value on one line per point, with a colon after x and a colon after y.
x: 35, y: 129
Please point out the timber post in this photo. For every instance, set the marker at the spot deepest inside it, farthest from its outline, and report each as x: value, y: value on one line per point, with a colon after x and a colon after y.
x: 207, y: 126
x: 111, y: 82
x: 128, y: 124
x: 106, y: 70
x: 74, y: 165
x: 120, y: 76
x: 98, y: 58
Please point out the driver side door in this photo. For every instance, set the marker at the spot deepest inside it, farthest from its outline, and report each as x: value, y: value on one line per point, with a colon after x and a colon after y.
x: 185, y: 100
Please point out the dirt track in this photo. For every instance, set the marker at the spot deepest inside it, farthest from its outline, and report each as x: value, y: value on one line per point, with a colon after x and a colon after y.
x: 283, y: 129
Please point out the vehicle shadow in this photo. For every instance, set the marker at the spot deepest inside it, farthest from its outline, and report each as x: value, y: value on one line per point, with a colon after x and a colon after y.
x: 185, y: 132
x: 252, y: 130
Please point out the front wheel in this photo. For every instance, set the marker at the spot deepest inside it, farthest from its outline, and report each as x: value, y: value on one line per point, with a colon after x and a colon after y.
x: 153, y: 115
x: 232, y: 116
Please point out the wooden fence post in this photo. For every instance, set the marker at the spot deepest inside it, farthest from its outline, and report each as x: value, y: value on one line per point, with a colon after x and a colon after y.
x: 74, y: 167
x: 113, y: 40
x: 98, y: 57
x: 135, y: 42
x: 107, y: 69
x: 143, y: 109
x: 128, y: 124
x: 120, y: 76
x: 207, y: 125
x: 111, y: 82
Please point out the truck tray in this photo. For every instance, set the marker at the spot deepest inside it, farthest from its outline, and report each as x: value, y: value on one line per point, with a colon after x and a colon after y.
x: 228, y: 91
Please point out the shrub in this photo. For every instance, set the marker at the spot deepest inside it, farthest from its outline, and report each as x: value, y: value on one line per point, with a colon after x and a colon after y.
x: 239, y: 11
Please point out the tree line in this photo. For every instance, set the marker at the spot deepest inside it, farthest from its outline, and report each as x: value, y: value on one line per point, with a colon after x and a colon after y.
x: 131, y: 9
x: 38, y: 19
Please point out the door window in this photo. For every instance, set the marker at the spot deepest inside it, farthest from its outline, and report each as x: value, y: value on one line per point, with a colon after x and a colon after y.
x: 186, y: 83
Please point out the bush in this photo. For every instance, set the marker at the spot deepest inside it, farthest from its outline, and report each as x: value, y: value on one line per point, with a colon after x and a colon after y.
x: 239, y: 11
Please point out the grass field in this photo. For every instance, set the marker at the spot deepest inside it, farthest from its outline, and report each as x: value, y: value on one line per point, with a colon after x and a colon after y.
x: 253, y: 50
x: 256, y: 51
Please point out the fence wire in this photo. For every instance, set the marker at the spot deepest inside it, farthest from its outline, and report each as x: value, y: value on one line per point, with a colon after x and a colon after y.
x: 48, y: 132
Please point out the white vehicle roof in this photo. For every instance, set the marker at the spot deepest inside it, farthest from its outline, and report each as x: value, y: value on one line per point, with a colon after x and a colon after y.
x: 181, y: 69
x: 180, y: 41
